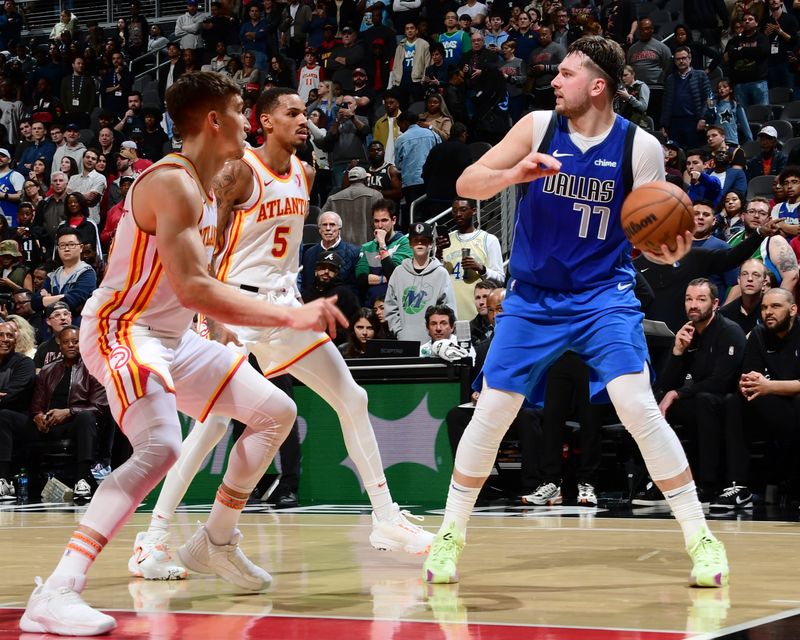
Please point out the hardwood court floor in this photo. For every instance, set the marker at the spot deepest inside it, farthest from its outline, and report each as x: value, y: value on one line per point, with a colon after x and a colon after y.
x: 544, y: 574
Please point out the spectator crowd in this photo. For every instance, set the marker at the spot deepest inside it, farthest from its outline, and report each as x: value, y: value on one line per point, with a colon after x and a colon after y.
x: 401, y: 96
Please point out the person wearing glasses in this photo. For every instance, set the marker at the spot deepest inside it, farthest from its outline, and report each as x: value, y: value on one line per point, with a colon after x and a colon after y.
x: 73, y: 282
x: 685, y: 93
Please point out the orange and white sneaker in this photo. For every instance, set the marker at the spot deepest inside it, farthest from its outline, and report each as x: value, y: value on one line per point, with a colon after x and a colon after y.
x: 152, y: 560
x: 398, y: 534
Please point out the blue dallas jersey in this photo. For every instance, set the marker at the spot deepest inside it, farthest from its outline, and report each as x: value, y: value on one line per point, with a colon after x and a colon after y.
x: 568, y: 235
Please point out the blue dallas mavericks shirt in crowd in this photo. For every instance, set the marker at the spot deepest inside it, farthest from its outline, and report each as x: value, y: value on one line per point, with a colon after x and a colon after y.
x: 568, y: 235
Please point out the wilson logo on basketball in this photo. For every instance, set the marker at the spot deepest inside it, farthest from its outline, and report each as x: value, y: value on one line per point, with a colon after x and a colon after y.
x: 120, y: 356
x: 635, y: 227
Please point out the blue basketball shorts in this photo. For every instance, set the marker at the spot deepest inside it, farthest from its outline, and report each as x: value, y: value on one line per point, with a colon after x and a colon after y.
x: 603, y: 326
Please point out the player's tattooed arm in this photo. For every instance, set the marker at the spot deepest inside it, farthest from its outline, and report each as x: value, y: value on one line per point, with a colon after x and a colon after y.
x: 224, y: 187
x: 786, y: 262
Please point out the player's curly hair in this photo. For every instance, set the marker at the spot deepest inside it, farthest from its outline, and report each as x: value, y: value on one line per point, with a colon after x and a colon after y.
x: 606, y: 55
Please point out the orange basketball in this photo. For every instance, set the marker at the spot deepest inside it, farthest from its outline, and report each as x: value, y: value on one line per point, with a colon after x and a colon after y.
x: 655, y: 214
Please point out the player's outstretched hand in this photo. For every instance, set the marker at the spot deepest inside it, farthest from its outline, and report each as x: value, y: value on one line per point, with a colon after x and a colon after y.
x: 534, y: 166
x: 320, y: 315
x: 683, y: 244
x: 771, y: 227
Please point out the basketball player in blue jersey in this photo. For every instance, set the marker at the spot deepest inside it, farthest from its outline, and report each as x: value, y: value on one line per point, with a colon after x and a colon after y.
x: 571, y: 288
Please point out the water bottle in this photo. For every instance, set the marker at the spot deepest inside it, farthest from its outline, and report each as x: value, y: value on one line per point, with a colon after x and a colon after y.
x: 22, y: 486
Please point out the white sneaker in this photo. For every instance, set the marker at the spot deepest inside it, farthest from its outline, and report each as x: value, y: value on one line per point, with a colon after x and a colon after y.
x: 398, y: 534
x: 151, y: 558
x: 82, y: 489
x: 62, y: 611
x: 227, y: 561
x: 547, y: 493
x: 586, y: 495
x: 7, y: 491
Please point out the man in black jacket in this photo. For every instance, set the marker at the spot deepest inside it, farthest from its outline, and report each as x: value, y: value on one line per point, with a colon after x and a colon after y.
x: 69, y: 402
x: 701, y: 371
x: 327, y: 284
x: 769, y: 404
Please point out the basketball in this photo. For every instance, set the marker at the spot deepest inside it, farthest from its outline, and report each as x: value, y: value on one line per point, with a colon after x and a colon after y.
x: 655, y: 214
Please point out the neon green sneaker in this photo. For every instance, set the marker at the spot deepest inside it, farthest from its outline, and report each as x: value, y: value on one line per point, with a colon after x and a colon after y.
x: 710, y: 563
x: 440, y: 565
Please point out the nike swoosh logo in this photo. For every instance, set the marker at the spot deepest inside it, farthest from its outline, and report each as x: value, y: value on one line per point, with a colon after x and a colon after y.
x: 740, y: 500
x: 558, y: 154
x: 645, y: 269
x: 621, y: 286
x: 266, y: 184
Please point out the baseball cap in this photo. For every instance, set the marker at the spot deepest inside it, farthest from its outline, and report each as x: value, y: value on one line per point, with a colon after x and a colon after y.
x: 770, y: 131
x: 672, y: 145
x: 9, y: 248
x: 192, y: 2
x: 422, y: 230
x: 4, y: 152
x: 330, y: 259
x: 126, y: 179
x: 270, y: 80
x: 347, y: 30
x: 55, y: 307
x: 72, y: 127
x: 128, y: 144
x: 359, y: 71
x: 357, y: 173
x: 311, y: 50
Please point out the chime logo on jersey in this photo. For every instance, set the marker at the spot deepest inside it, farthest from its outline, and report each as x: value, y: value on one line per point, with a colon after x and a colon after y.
x: 282, y: 207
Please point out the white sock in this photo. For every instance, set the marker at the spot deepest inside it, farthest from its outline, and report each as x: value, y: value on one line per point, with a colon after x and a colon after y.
x: 158, y: 523
x: 687, y: 509
x: 224, y: 516
x: 460, y: 501
x: 79, y: 555
x: 381, y: 499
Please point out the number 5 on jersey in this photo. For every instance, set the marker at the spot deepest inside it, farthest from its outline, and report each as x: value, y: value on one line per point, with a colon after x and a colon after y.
x: 280, y: 241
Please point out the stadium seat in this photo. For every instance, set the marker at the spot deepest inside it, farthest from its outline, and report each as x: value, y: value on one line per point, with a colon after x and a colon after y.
x: 791, y: 113
x: 751, y: 148
x: 780, y: 95
x: 757, y: 115
x: 760, y: 186
x: 87, y: 135
x: 790, y: 144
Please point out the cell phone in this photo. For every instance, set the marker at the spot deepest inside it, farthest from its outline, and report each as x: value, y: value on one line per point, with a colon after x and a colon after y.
x: 465, y: 251
x: 442, y: 232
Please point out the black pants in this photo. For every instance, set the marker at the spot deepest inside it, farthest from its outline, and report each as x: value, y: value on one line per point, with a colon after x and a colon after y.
x: 18, y: 428
x: 715, y: 436
x: 567, y: 395
x: 775, y: 418
x: 526, y: 428
x: 289, y: 451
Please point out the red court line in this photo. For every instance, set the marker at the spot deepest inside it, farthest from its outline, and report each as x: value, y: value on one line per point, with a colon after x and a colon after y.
x: 187, y: 626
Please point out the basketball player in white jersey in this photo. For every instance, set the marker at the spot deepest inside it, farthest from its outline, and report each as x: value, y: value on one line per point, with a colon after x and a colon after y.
x: 136, y: 339
x: 266, y: 193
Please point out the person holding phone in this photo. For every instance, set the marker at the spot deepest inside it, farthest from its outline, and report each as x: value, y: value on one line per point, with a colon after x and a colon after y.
x: 470, y: 255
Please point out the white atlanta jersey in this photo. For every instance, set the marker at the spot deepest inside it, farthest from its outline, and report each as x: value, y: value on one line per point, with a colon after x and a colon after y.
x: 135, y: 290
x: 262, y: 243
